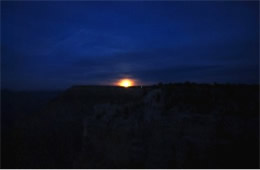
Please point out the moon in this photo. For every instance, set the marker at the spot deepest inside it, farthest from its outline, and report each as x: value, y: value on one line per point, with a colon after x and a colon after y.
x: 126, y: 83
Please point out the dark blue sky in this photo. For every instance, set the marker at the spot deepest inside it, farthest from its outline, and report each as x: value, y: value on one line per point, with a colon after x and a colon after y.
x: 54, y: 45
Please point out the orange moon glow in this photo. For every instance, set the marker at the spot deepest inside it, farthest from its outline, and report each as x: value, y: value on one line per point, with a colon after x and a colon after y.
x: 126, y: 83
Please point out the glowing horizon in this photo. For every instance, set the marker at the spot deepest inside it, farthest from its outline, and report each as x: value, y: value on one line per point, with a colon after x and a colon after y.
x: 126, y: 83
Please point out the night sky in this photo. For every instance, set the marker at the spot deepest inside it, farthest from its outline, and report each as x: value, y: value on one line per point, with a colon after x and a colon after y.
x: 54, y: 45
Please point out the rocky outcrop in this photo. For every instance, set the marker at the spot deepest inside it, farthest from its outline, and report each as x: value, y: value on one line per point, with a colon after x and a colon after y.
x: 166, y: 126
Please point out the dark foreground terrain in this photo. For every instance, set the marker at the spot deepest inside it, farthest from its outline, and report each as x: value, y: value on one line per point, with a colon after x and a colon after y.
x: 164, y: 126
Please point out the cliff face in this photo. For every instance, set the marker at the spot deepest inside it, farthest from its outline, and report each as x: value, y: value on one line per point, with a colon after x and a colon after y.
x: 167, y: 126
